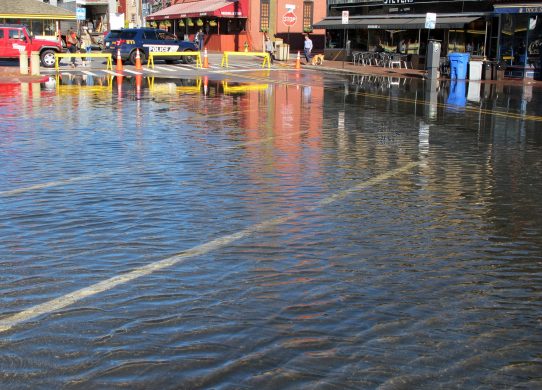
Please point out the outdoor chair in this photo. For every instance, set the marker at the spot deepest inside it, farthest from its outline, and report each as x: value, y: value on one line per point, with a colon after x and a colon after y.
x: 395, y: 59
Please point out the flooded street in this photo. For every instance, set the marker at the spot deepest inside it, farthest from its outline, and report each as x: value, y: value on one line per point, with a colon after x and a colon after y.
x: 271, y: 230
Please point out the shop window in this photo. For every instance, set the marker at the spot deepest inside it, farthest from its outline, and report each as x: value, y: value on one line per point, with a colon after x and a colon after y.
x: 37, y: 27
x: 534, y: 39
x: 514, y: 30
x: 468, y: 40
x: 308, y: 13
x: 264, y: 15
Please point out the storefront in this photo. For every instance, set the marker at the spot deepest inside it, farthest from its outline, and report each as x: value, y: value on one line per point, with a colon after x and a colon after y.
x: 399, y: 26
x: 520, y: 38
x: 223, y: 22
x: 42, y: 19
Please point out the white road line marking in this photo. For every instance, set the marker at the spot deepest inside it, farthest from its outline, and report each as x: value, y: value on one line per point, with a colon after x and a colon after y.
x: 108, y: 284
x: 54, y: 183
x: 165, y: 68
x: 89, y: 73
x: 113, y: 73
x: 133, y: 72
x: 150, y: 70
x: 107, y: 173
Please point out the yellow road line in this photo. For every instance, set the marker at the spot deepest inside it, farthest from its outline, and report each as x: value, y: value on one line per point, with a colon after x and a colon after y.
x: 53, y: 305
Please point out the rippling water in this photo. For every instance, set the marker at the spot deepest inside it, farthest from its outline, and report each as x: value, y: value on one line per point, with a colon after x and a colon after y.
x: 304, y: 251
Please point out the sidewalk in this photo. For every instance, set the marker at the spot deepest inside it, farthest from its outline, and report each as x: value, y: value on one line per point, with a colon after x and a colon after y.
x: 348, y: 67
x: 10, y: 74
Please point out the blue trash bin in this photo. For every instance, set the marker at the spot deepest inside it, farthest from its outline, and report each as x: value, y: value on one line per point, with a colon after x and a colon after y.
x: 458, y: 65
x: 457, y: 96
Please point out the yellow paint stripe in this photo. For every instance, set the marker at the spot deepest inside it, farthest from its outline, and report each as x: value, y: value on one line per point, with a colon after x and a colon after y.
x: 108, y: 284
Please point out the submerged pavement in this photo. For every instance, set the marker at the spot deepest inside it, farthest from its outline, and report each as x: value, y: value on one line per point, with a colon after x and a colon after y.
x: 269, y: 229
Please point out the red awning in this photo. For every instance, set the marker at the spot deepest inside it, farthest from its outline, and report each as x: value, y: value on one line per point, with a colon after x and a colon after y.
x: 203, y: 8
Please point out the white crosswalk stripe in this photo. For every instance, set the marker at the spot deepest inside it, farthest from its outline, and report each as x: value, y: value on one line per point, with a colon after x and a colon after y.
x: 164, y: 68
x: 89, y: 73
x: 133, y: 72
x: 111, y: 72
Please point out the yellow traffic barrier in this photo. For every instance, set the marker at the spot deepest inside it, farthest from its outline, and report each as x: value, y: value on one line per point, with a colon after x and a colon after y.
x: 242, y: 88
x: 196, y: 54
x: 265, y: 55
x: 172, y: 88
x: 84, y: 55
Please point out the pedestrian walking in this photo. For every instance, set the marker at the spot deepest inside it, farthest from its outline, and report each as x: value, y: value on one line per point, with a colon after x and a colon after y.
x: 71, y: 44
x: 269, y: 48
x: 307, y: 48
x: 200, y: 37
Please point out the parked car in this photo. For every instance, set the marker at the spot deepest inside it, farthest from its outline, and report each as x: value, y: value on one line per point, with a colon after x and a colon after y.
x: 147, y: 40
x: 15, y: 38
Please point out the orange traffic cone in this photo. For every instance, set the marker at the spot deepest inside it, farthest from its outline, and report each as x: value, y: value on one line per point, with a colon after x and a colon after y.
x: 119, y: 62
x: 138, y: 60
x: 205, y: 59
x: 205, y: 85
x: 298, y: 61
x: 139, y: 82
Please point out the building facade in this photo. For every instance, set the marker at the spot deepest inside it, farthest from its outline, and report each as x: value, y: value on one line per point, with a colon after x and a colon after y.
x: 500, y: 30
x: 239, y: 24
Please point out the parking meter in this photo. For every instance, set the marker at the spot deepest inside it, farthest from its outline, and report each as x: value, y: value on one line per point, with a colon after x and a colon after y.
x: 432, y: 59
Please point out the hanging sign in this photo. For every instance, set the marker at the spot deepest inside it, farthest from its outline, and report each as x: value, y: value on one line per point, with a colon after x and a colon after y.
x: 430, y: 20
x: 81, y: 13
x: 345, y: 15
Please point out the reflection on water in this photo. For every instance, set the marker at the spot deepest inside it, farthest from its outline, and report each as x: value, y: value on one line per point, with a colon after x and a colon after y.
x: 311, y: 257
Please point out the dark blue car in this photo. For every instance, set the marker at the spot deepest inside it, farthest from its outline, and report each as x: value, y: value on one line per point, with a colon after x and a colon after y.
x: 148, y: 40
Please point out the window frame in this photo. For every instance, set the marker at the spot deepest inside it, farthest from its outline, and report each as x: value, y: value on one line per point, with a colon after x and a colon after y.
x: 265, y: 11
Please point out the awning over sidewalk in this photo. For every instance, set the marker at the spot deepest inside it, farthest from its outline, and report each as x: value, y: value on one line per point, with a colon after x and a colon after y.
x: 203, y: 8
x: 32, y: 9
x: 413, y: 22
x: 514, y: 8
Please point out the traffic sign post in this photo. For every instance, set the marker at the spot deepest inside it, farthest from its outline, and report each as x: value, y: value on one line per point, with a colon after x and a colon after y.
x: 289, y: 19
x: 344, y: 22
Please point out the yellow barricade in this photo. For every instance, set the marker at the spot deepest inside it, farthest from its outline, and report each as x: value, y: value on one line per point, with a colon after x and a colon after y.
x: 196, y: 54
x: 85, y: 55
x: 242, y: 88
x: 266, y: 59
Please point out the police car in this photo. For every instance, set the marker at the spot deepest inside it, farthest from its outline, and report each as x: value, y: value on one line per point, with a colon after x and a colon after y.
x: 148, y: 40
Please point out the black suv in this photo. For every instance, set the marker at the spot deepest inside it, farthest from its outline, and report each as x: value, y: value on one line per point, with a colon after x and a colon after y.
x: 147, y: 40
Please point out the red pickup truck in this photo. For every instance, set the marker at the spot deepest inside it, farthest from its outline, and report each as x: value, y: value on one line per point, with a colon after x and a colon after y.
x: 14, y: 38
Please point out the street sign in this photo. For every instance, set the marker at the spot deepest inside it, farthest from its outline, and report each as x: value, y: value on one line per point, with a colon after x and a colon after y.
x: 345, y: 16
x: 289, y: 18
x: 430, y: 20
x: 81, y: 13
x: 290, y: 7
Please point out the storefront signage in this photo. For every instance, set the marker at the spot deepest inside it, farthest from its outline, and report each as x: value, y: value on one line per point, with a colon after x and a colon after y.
x: 395, y: 2
x: 373, y: 26
x: 231, y: 13
x: 519, y: 10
